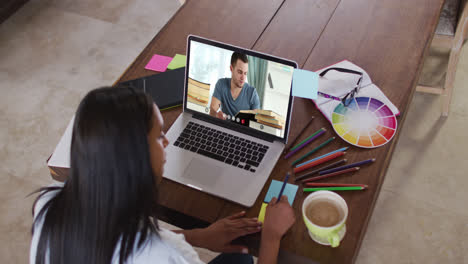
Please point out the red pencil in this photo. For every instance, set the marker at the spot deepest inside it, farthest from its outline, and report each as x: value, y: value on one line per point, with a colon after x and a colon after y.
x: 314, y: 184
x: 319, y: 161
x: 331, y: 174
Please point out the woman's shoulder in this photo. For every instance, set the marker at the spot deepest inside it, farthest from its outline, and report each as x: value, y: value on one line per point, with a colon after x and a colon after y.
x: 177, y: 240
x: 166, y: 247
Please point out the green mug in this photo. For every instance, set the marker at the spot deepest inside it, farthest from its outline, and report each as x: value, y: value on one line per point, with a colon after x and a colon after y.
x: 325, y: 214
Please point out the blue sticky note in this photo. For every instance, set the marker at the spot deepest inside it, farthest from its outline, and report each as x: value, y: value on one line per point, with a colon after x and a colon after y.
x: 275, y: 188
x: 305, y: 84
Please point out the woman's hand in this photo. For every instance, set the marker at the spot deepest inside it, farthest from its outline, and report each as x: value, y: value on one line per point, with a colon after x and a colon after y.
x: 219, y: 235
x: 279, y: 217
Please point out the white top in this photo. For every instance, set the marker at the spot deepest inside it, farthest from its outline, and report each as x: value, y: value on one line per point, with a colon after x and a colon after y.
x: 169, y: 247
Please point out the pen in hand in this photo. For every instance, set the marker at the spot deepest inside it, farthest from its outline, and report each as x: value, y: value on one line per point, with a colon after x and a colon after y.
x: 282, y: 187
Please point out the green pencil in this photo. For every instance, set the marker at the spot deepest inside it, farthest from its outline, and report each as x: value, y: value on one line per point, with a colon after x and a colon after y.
x: 300, y: 143
x: 313, y: 151
x: 357, y: 188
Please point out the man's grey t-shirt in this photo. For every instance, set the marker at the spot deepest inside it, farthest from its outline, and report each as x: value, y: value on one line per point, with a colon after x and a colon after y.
x: 247, y: 99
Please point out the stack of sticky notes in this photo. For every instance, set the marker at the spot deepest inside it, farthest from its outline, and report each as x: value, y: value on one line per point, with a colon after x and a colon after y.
x: 305, y: 84
x: 177, y: 62
x: 274, y: 190
x: 161, y: 63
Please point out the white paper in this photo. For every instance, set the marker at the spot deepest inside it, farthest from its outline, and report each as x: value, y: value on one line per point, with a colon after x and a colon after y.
x: 339, y: 84
x: 61, y: 156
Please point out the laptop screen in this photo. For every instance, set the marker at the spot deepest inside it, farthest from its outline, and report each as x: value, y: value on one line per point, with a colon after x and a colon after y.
x: 239, y: 86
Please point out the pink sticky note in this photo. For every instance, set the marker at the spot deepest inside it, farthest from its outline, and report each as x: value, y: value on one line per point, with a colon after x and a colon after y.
x: 158, y: 63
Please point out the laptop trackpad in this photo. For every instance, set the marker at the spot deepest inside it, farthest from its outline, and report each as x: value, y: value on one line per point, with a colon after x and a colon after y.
x: 202, y: 172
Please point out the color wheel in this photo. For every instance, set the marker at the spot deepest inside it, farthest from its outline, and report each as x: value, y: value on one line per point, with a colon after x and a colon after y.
x: 365, y: 122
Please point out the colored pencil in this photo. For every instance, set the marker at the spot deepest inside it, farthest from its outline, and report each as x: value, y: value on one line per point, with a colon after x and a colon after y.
x: 334, y: 164
x: 313, y: 151
x: 319, y: 161
x: 324, y: 155
x: 310, y: 139
x: 282, y: 187
x: 356, y: 164
x: 355, y: 188
x: 299, y: 134
x: 331, y: 174
x: 314, y: 184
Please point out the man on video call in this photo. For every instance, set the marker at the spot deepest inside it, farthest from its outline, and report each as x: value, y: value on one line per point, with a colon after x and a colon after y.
x: 233, y: 94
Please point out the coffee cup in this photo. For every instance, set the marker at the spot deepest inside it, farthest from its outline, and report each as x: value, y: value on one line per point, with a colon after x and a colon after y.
x: 325, y: 214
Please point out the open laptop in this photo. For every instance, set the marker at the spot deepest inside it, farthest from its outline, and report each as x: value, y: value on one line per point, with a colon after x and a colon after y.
x: 217, y: 148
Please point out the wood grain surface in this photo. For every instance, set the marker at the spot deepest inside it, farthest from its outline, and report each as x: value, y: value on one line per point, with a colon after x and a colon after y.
x: 387, y: 38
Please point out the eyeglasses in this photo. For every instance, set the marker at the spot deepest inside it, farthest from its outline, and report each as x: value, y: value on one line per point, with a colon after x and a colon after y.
x: 348, y: 98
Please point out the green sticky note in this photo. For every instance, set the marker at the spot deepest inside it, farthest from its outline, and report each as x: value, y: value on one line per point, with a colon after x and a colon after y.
x: 275, y: 188
x: 177, y: 62
x: 261, y: 215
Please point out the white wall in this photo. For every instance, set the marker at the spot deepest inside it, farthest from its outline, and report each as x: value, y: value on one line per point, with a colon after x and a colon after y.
x: 208, y: 64
x: 277, y: 99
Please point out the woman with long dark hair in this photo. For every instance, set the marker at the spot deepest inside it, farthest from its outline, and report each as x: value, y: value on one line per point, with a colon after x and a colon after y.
x: 105, y: 211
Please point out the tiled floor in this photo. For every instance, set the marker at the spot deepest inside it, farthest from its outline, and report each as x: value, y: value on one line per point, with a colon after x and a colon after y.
x: 52, y: 52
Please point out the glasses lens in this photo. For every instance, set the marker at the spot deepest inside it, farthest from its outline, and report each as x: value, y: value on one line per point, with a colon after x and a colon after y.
x: 347, y: 101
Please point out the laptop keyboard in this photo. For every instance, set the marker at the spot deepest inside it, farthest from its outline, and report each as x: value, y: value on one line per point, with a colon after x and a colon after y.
x: 233, y: 150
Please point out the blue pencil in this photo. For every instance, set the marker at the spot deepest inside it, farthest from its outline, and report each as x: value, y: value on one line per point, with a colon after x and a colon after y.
x: 314, y: 159
x: 282, y: 187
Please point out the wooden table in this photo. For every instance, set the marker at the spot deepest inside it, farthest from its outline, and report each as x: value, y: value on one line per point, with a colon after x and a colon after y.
x: 387, y: 38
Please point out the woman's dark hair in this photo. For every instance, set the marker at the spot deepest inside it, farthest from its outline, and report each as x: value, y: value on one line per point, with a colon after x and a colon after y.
x: 110, y: 195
